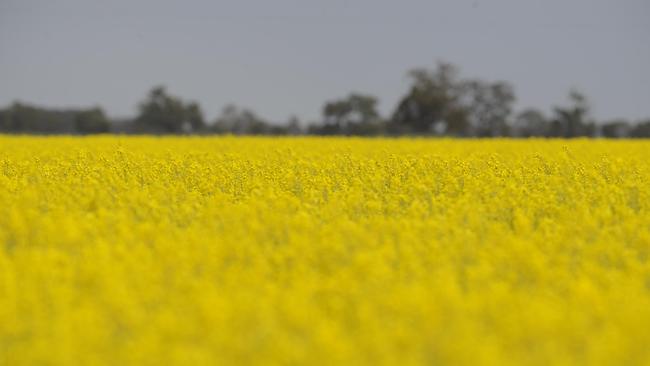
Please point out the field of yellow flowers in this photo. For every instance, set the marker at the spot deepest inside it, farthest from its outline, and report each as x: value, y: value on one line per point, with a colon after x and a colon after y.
x: 302, y: 251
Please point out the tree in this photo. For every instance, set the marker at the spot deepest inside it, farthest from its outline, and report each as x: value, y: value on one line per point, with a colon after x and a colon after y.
x: 354, y: 115
x: 440, y: 102
x: 162, y: 113
x: 240, y: 122
x: 615, y: 129
x: 489, y: 106
x: 432, y: 104
x: 91, y: 121
x: 531, y: 123
x: 292, y: 127
x: 573, y: 120
x: 22, y: 118
x: 193, y: 116
x: 641, y: 130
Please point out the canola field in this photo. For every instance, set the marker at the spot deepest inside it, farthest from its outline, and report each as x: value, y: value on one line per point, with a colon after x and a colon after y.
x: 314, y: 251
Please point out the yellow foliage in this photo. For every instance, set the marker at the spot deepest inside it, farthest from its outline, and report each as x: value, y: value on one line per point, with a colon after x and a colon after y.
x: 190, y: 251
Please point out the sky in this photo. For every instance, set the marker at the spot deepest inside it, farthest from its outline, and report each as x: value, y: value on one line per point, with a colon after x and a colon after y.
x: 287, y: 57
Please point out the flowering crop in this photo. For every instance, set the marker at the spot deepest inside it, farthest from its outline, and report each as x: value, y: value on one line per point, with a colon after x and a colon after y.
x: 152, y: 251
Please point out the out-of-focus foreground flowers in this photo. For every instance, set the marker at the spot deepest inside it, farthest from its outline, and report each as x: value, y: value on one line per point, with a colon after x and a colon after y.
x: 156, y: 251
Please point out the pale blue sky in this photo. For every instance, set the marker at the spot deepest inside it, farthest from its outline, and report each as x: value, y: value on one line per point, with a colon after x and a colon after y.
x: 284, y: 57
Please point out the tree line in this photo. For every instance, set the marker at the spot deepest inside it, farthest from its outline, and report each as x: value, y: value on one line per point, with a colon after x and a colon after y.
x: 438, y: 103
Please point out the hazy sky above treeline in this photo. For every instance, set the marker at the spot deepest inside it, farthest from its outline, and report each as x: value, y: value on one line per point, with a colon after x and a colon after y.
x: 288, y: 57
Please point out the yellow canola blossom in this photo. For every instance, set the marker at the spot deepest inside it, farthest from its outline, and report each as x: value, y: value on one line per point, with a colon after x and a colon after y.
x: 309, y: 251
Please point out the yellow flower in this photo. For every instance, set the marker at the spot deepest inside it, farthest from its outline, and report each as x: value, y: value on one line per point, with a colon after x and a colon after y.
x: 224, y: 250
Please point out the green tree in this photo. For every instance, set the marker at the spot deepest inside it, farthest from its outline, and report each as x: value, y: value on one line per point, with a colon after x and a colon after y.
x: 531, y: 123
x: 193, y: 118
x: 293, y: 126
x: 616, y: 129
x: 573, y: 120
x: 163, y: 113
x: 240, y: 121
x: 22, y: 118
x: 488, y: 107
x: 432, y: 103
x: 91, y: 121
x: 355, y: 114
x: 641, y: 130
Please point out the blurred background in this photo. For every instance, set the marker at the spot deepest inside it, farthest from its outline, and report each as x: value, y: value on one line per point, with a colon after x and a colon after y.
x: 557, y: 68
